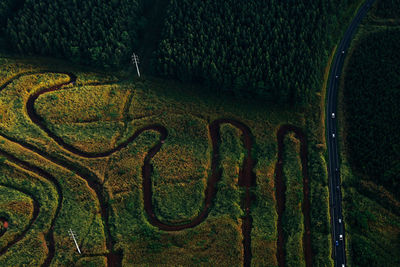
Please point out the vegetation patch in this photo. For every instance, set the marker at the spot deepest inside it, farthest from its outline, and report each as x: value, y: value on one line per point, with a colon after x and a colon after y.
x: 148, y: 171
x: 371, y: 92
x: 16, y: 211
x: 181, y: 170
x: 388, y: 9
x: 374, y: 231
x: 84, y: 32
x: 87, y: 117
x: 177, y: 133
x: 278, y: 55
x: 217, y: 44
x: 292, y: 218
x: 370, y: 162
x: 24, y: 241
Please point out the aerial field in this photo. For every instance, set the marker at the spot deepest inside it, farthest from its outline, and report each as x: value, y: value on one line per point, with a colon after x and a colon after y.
x: 146, y: 173
x: 216, y: 155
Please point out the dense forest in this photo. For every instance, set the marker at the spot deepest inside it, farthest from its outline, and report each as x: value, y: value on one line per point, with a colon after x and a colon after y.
x: 101, y: 33
x: 388, y: 9
x: 372, y: 93
x: 7, y: 7
x: 272, y: 49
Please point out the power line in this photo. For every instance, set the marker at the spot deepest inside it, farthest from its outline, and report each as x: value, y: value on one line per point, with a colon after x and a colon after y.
x: 72, y: 234
x: 135, y: 60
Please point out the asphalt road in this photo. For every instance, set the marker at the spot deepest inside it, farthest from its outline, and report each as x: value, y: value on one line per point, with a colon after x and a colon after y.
x: 339, y: 254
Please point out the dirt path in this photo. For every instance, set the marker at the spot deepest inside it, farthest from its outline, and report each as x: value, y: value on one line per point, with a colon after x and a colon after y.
x: 281, y: 190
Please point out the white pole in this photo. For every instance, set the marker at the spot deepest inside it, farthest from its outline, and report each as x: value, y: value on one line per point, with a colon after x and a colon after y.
x: 135, y: 60
x: 73, y: 237
x: 137, y: 68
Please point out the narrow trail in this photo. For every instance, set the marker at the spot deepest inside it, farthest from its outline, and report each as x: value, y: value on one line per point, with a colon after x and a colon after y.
x: 281, y: 190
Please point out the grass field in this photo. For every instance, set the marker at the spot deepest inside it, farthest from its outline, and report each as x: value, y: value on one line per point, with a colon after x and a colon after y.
x: 86, y: 145
x: 293, y: 226
x: 16, y: 209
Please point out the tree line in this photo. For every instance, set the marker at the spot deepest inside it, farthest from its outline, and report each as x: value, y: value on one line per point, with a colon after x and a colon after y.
x: 388, y: 9
x: 272, y: 49
x: 97, y: 32
x: 371, y: 94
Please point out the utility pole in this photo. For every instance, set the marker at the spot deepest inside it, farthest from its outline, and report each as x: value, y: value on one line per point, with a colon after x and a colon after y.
x: 135, y: 60
x: 72, y: 234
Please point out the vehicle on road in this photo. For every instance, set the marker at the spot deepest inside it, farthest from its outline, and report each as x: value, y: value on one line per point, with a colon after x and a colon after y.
x: 340, y: 254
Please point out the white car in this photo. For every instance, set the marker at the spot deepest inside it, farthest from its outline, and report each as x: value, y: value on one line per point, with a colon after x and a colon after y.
x: 340, y: 220
x: 333, y: 135
x: 337, y: 76
x: 333, y: 115
x: 342, y: 51
x: 341, y: 237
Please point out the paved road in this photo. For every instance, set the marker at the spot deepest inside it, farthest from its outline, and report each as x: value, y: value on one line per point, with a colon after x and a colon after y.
x: 339, y: 254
